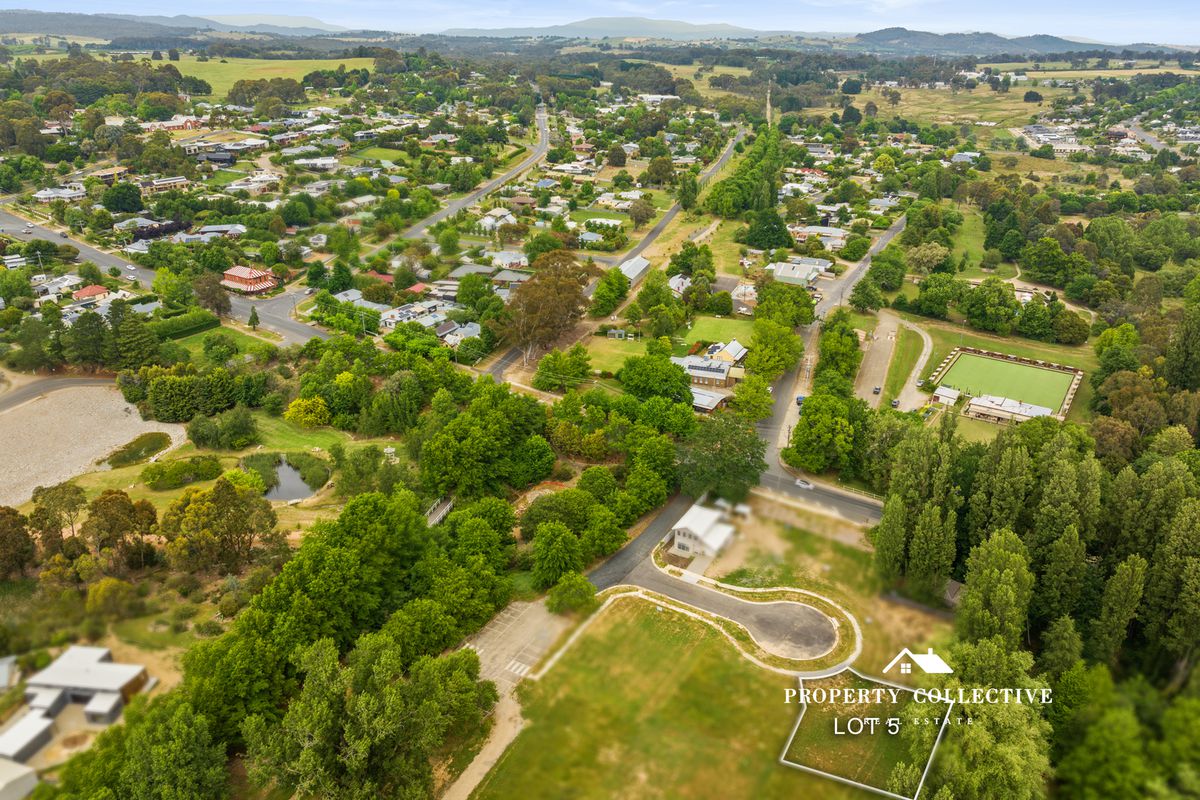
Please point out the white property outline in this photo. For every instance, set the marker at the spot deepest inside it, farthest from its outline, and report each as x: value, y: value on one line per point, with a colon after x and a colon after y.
x: 821, y: 773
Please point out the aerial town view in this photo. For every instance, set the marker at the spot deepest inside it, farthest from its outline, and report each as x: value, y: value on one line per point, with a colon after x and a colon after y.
x: 490, y: 401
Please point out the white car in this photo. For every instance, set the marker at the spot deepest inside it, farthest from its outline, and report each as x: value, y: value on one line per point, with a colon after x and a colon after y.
x: 803, y: 484
x: 131, y: 267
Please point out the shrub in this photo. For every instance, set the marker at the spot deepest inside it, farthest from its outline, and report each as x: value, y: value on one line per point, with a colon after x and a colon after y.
x: 139, y: 449
x: 209, y: 627
x: 184, y: 611
x: 174, y: 474
x: 183, y: 583
x: 112, y: 598
x: 573, y: 592
x: 230, y: 604
x: 184, y: 325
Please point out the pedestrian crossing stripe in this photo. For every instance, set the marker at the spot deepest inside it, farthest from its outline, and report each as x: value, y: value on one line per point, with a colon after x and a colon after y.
x: 518, y: 668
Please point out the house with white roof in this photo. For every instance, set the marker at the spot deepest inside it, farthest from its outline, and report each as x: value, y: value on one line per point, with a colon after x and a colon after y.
x: 701, y: 531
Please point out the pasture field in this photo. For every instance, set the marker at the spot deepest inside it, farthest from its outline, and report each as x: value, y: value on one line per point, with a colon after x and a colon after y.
x: 221, y: 74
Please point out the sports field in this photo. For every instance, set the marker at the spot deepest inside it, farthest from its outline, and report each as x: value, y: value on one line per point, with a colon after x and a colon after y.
x: 975, y: 375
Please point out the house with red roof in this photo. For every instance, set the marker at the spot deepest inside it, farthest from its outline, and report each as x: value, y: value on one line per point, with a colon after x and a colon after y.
x: 93, y: 292
x: 248, y: 280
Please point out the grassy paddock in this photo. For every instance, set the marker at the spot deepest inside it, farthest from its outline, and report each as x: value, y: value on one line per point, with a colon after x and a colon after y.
x: 654, y: 704
x: 221, y: 74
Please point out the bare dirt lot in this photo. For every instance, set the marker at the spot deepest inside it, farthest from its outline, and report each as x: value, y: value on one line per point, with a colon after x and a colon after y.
x: 63, y: 434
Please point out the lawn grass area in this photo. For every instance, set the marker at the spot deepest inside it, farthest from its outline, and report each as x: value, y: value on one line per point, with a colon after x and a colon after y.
x: 904, y: 358
x: 224, y: 177
x: 221, y: 74
x: 383, y: 154
x: 194, y: 344
x: 608, y: 355
x: 868, y: 757
x: 713, y: 329
x: 726, y: 252
x: 652, y: 704
x: 863, y: 322
x: 976, y: 375
x: 976, y: 430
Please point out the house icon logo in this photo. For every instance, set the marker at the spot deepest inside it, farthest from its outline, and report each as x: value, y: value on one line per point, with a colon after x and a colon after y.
x: 929, y: 662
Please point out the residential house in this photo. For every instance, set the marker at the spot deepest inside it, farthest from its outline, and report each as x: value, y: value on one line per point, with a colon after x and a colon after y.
x: 635, y: 269
x: 69, y: 192
x: 248, y: 280
x: 700, y: 532
x: 705, y: 371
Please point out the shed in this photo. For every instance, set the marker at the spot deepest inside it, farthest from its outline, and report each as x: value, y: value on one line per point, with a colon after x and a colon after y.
x: 104, y: 708
x: 26, y: 736
x: 634, y: 269
x: 946, y: 395
x: 17, y: 781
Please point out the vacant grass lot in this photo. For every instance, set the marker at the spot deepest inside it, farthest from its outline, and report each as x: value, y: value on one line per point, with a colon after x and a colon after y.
x: 969, y: 239
x: 652, y: 704
x: 976, y: 375
x: 867, y: 757
x: 383, y: 154
x: 221, y: 74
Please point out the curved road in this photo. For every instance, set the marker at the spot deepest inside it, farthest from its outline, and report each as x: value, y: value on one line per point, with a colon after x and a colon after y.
x: 20, y: 395
x: 788, y: 629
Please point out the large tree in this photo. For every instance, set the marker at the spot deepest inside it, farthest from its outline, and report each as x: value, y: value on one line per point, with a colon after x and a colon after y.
x: 547, y: 305
x: 723, y: 456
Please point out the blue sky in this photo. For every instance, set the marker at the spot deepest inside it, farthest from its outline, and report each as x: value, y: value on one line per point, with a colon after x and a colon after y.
x: 1118, y: 21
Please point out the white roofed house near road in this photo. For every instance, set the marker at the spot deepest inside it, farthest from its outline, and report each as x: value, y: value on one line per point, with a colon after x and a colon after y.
x: 701, y: 531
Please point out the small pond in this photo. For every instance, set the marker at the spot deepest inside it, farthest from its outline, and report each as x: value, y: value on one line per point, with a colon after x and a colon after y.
x: 289, y: 485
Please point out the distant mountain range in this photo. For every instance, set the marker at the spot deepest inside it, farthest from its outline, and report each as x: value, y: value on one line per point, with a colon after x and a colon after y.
x: 889, y: 41
x: 112, y: 26
x: 620, y: 28
x: 898, y: 41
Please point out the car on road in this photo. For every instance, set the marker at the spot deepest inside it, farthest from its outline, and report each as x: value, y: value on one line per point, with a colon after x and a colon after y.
x: 62, y: 234
x: 876, y: 390
x: 803, y: 484
x: 895, y: 404
x: 309, y: 290
x: 27, y: 229
x: 131, y: 267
